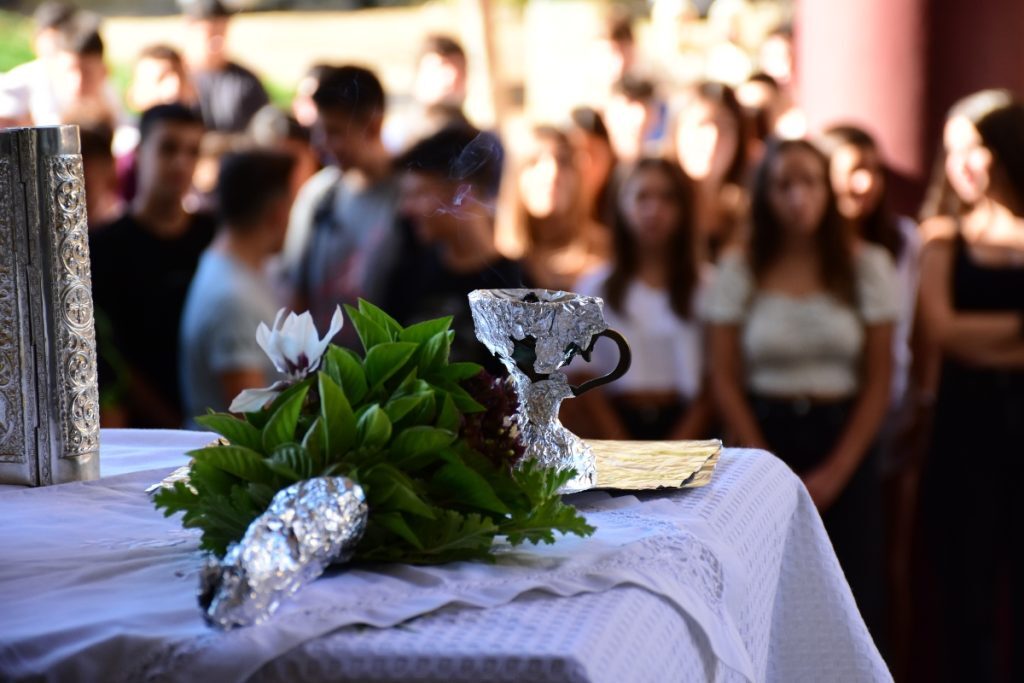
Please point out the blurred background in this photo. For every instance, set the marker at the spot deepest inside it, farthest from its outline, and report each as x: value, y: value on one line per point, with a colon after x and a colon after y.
x: 460, y: 144
x: 898, y: 64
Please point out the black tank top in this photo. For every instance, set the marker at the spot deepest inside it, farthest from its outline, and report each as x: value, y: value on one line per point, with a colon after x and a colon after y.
x: 978, y: 287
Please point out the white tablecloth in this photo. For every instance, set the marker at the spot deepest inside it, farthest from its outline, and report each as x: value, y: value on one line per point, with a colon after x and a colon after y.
x: 735, y: 581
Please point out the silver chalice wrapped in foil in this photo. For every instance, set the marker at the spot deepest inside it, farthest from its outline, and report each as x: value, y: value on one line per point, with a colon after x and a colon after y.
x: 535, y: 333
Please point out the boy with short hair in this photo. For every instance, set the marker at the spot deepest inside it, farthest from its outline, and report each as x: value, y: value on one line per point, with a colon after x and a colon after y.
x: 448, y: 184
x: 341, y: 224
x: 229, y: 93
x: 230, y: 294
x: 142, y: 264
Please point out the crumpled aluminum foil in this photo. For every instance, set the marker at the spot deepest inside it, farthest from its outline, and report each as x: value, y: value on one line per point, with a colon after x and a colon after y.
x: 308, y: 526
x: 551, y: 327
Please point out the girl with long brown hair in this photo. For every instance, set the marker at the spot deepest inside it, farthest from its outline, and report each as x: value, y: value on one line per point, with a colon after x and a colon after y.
x: 709, y: 141
x: 652, y: 291
x: 544, y: 219
x: 800, y: 332
x: 972, y: 295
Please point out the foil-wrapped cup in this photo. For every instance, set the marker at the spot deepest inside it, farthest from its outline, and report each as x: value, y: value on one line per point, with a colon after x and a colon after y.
x: 535, y: 333
x: 308, y: 526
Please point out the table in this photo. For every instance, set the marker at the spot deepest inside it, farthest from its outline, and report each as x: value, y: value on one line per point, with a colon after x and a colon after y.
x: 735, y: 581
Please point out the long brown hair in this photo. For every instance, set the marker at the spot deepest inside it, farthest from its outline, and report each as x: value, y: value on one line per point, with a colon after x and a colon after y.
x: 835, y: 255
x: 721, y: 96
x: 681, y: 253
x: 517, y: 230
x: 880, y: 226
x: 940, y: 198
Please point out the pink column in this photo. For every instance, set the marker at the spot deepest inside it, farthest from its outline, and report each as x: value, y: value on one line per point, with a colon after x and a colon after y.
x: 895, y: 66
x: 864, y: 62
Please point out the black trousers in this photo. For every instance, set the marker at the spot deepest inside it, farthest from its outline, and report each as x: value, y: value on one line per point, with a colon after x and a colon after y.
x: 803, y: 434
x: 973, y: 523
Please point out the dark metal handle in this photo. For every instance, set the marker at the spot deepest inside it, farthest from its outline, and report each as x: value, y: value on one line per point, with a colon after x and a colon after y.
x: 625, y: 359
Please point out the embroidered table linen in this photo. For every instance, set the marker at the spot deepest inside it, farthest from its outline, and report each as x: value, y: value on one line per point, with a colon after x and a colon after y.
x: 734, y: 581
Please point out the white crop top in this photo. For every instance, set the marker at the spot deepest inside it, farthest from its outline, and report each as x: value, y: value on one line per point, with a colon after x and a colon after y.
x: 808, y: 345
x: 667, y: 351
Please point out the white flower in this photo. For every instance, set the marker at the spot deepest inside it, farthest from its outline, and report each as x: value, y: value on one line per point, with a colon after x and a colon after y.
x: 295, y: 350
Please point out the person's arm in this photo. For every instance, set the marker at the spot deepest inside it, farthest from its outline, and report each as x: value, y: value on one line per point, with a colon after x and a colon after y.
x: 828, y: 480
x: 914, y: 424
x: 989, y: 339
x: 234, y: 382
x: 601, y: 419
x: 727, y: 386
x: 696, y: 422
x: 227, y: 343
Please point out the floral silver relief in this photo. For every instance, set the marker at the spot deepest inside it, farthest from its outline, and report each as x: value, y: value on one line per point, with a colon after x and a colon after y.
x: 308, y: 526
x: 535, y: 333
x: 49, y: 403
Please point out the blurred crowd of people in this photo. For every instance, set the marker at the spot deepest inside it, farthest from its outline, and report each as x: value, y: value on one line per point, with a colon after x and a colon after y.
x: 769, y: 293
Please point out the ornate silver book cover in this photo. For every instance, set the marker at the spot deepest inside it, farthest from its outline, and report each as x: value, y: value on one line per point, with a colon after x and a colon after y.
x: 49, y: 404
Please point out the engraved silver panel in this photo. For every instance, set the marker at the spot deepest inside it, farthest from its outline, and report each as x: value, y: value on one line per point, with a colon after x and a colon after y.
x: 12, y: 427
x: 49, y: 402
x: 78, y: 397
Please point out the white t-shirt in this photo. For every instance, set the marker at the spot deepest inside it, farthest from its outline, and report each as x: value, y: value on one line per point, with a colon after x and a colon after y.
x: 667, y: 351
x: 28, y: 92
x: 340, y: 242
x: 226, y: 302
x: 809, y: 345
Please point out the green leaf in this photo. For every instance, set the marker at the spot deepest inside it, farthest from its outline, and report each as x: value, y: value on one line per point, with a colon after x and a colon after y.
x: 468, y: 488
x: 281, y: 399
x: 434, y: 353
x: 221, y: 523
x: 281, y: 427
x: 539, y: 524
x: 416, y: 441
x: 463, y: 401
x: 206, y: 477
x: 371, y: 333
x: 421, y: 332
x: 456, y: 372
x: 338, y: 417
x: 546, y: 513
x: 242, y: 462
x: 381, y: 472
x: 261, y: 495
x: 404, y: 499
x: 398, y: 408
x: 235, y: 430
x: 315, y: 443
x: 423, y: 414
x: 540, y: 483
x: 384, y: 360
x: 395, y: 523
x: 373, y: 428
x: 292, y: 461
x: 346, y: 369
x: 453, y: 536
x: 178, y: 498
x: 449, y: 417
x: 243, y: 503
x: 378, y: 316
x: 237, y: 460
